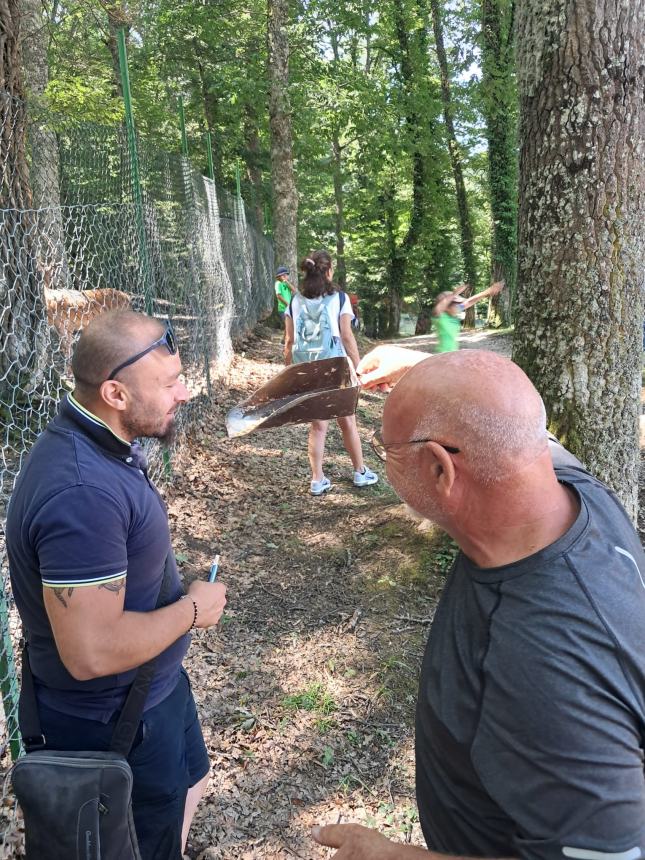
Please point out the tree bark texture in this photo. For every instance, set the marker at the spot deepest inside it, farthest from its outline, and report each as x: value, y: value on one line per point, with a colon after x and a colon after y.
x: 116, y: 18
x: 211, y: 110
x: 23, y: 323
x: 499, y: 104
x: 456, y: 160
x: 581, y: 77
x: 43, y: 146
x: 285, y: 195
x: 395, y: 269
x: 339, y: 214
x: 415, y: 129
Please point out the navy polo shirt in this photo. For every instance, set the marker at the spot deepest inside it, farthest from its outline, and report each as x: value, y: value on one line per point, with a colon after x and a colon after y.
x: 83, y: 513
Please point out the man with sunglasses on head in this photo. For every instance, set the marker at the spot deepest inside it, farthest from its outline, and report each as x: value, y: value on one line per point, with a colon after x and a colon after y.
x: 88, y: 542
x: 531, y: 710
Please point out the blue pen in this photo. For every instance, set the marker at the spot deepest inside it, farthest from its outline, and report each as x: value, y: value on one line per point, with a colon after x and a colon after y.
x: 212, y: 576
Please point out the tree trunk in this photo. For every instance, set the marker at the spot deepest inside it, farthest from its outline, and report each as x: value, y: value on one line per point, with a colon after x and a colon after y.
x: 337, y: 166
x: 116, y: 18
x: 415, y: 129
x: 285, y: 195
x: 582, y: 208
x: 499, y: 103
x: 43, y: 147
x: 396, y: 263
x: 456, y: 161
x: 253, y: 158
x: 424, y: 320
x: 210, y: 102
x: 23, y: 323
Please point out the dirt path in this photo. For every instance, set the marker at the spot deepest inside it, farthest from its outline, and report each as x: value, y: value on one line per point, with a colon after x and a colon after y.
x: 307, y: 689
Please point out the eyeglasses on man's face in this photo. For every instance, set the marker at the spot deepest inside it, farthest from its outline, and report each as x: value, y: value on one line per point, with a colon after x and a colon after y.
x: 380, y: 447
x: 168, y: 340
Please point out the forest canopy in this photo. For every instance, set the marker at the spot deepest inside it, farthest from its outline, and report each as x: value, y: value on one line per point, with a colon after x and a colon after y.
x: 371, y: 147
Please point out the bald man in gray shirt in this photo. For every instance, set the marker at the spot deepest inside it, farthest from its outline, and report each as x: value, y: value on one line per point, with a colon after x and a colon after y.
x: 531, y: 710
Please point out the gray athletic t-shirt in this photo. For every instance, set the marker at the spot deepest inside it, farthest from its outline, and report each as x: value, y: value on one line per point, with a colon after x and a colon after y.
x: 531, y: 711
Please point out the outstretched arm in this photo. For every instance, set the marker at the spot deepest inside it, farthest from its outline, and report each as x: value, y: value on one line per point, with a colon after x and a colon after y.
x: 384, y: 366
x: 495, y: 288
x: 442, y: 305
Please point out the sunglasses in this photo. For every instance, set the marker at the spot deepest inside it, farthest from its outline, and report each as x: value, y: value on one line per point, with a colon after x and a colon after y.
x: 168, y: 340
x: 380, y: 448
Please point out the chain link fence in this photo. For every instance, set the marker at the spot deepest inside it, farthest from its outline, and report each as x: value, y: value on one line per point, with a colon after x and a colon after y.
x: 92, y: 220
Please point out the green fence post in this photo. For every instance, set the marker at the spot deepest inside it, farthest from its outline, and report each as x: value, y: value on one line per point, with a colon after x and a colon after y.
x: 182, y: 126
x: 205, y: 343
x: 209, y: 154
x: 135, y: 174
x: 9, y: 681
x: 238, y: 181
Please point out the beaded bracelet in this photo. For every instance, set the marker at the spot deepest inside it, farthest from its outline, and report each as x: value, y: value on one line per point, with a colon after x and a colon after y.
x: 194, y: 624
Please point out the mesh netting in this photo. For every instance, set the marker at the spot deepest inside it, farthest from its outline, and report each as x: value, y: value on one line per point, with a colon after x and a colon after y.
x: 79, y: 235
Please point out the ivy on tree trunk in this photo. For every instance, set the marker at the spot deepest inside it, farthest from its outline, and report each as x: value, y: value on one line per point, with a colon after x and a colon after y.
x: 499, y: 106
x: 456, y: 161
x: 285, y: 195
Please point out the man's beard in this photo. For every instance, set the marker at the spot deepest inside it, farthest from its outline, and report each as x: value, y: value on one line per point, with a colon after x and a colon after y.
x: 137, y: 426
x: 170, y: 434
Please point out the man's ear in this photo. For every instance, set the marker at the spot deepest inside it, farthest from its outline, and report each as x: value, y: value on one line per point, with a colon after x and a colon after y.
x: 114, y: 395
x: 442, y: 471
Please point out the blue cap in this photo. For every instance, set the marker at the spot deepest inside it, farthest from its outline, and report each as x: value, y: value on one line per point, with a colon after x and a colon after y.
x: 282, y: 270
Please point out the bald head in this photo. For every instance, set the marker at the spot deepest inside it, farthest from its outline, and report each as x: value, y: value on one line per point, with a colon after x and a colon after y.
x: 475, y: 400
x: 107, y: 341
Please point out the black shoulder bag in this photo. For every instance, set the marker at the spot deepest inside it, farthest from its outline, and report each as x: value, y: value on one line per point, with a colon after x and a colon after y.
x: 77, y: 805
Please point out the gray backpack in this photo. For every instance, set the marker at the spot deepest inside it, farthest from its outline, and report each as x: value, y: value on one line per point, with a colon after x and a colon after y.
x: 313, y: 338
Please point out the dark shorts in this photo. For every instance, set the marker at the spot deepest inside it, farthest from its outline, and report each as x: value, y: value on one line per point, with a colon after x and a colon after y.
x: 167, y: 758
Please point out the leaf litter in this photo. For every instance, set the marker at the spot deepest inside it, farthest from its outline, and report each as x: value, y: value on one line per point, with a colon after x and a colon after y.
x: 307, y: 688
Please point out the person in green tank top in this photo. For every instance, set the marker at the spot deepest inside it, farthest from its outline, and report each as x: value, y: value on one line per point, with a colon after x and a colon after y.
x: 448, y: 312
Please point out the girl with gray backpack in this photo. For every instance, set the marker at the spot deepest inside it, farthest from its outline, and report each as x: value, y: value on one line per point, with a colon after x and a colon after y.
x: 318, y: 324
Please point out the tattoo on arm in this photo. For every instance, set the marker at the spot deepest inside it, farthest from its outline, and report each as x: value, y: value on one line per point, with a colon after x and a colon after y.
x: 113, y: 586
x: 59, y: 592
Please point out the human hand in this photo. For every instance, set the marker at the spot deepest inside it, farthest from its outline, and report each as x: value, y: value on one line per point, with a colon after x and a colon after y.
x: 210, y: 600
x: 460, y: 289
x: 355, y: 842
x: 497, y: 287
x: 384, y: 366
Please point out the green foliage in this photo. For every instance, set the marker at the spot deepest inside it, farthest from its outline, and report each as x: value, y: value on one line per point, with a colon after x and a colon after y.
x: 314, y: 698
x: 370, y: 149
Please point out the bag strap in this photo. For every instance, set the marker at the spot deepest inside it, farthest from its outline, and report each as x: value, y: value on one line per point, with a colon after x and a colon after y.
x: 128, y: 722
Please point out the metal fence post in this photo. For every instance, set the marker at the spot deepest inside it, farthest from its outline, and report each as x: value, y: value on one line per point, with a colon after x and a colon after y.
x: 135, y: 174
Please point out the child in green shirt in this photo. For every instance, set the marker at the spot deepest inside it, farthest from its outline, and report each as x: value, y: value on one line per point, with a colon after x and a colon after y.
x: 283, y: 290
x: 449, y: 309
